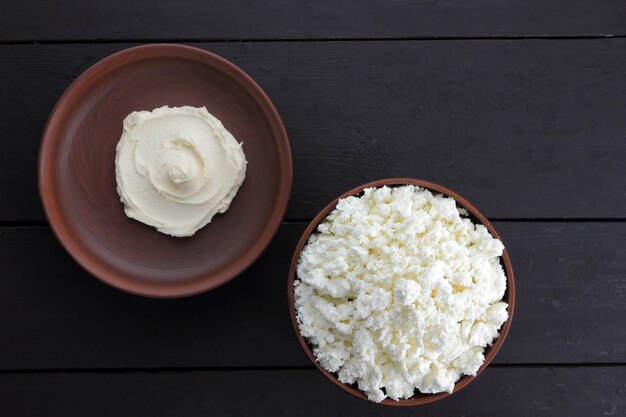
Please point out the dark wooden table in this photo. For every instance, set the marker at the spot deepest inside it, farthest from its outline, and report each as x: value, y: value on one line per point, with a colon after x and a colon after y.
x: 520, y: 106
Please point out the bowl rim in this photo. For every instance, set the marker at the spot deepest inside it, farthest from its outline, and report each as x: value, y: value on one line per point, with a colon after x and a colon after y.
x: 50, y: 140
x: 491, y: 351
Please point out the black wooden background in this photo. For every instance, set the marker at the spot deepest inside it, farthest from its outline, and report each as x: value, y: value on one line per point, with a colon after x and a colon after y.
x: 520, y: 106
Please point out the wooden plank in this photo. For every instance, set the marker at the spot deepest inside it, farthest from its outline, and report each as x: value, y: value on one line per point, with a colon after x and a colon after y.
x: 567, y: 392
x: 524, y: 129
x: 570, y: 307
x: 237, y: 19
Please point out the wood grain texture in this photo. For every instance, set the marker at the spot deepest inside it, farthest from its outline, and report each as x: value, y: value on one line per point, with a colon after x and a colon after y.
x: 212, y: 19
x: 569, y: 309
x: 506, y: 391
x: 523, y: 129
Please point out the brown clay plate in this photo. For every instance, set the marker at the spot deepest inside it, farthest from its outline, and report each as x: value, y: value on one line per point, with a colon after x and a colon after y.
x: 77, y: 171
x: 476, y: 216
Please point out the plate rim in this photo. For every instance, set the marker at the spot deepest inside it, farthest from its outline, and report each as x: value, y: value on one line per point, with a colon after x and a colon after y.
x: 48, y: 190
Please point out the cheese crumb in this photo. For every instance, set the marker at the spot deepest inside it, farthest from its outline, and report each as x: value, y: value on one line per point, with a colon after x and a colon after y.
x: 398, y: 291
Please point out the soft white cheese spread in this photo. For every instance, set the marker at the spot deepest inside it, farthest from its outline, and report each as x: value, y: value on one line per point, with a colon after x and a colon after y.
x: 399, y: 291
x: 176, y: 168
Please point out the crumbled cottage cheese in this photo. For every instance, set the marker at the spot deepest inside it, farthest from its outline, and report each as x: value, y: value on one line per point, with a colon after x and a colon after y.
x: 398, y: 291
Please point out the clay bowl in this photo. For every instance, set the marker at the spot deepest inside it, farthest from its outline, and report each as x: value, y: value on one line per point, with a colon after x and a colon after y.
x: 77, y: 171
x: 476, y: 216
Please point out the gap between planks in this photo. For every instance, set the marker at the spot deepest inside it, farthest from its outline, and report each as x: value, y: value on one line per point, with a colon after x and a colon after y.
x: 266, y: 368
x: 305, y: 39
x: 44, y: 224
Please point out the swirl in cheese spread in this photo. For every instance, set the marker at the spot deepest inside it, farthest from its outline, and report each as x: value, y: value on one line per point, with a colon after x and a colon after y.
x: 176, y: 168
